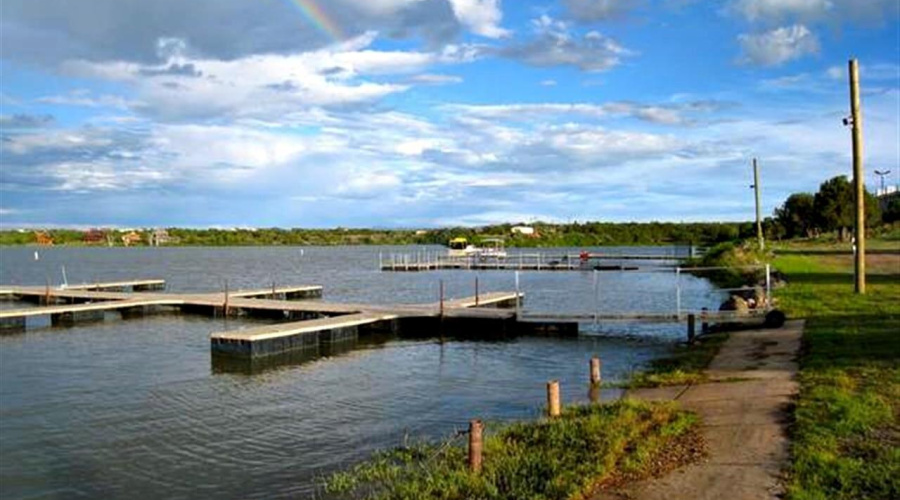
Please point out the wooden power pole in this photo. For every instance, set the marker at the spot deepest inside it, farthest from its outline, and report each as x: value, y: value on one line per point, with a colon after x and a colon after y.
x: 759, y: 231
x: 858, y: 179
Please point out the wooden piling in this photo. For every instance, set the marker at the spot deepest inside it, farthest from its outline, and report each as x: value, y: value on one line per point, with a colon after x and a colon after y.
x: 704, y: 325
x: 691, y: 328
x: 476, y: 291
x: 595, y: 371
x: 553, y: 406
x: 476, y: 444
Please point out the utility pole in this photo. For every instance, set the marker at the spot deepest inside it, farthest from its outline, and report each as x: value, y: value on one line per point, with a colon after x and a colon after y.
x: 858, y: 179
x: 755, y: 186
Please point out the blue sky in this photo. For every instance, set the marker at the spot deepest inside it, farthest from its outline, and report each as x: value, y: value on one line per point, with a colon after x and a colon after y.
x: 421, y: 113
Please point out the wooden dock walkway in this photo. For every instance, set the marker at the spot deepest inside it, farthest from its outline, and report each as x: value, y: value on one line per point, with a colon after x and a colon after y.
x: 316, y: 324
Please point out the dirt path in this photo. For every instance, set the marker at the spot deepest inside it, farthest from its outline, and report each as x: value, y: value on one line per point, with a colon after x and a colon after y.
x: 744, y: 408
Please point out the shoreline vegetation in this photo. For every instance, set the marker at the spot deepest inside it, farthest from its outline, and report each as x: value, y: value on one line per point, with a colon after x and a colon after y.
x: 543, y: 235
x: 585, y: 449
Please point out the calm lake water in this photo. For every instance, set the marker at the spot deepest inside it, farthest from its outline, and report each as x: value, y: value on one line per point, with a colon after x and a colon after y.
x: 137, y: 408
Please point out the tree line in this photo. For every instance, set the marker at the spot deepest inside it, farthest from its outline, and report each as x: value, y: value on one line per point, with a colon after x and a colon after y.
x: 830, y: 209
x: 575, y: 234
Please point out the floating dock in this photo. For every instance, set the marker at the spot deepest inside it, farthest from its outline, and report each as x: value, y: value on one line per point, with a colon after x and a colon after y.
x: 426, y: 261
x: 314, y: 325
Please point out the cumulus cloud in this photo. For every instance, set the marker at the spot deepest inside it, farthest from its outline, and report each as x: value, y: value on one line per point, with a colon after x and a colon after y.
x: 555, y: 44
x: 482, y: 17
x: 779, y: 45
x: 264, y: 87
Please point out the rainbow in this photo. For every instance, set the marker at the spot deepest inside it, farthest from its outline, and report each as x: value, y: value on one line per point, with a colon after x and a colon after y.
x: 316, y: 16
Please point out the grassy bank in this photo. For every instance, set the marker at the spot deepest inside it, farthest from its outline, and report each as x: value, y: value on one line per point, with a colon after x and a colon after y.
x: 846, y: 440
x: 563, y: 458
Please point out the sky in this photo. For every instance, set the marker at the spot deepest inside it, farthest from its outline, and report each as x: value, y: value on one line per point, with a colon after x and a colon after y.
x: 425, y: 113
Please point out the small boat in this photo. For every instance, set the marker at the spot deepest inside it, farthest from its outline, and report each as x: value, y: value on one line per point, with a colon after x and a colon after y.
x: 491, y: 247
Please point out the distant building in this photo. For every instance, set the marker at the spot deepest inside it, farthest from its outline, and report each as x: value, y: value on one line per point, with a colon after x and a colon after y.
x: 132, y: 238
x: 159, y: 237
x: 43, y: 238
x: 523, y: 230
x: 94, y: 236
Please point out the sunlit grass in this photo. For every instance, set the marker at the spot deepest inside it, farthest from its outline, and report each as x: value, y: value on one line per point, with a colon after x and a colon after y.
x: 846, y: 440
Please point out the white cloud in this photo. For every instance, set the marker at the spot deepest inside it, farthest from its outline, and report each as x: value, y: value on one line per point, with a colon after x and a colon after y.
x: 482, y: 17
x: 264, y: 86
x: 555, y: 44
x: 548, y: 83
x: 775, y: 11
x: 779, y: 45
x: 436, y: 79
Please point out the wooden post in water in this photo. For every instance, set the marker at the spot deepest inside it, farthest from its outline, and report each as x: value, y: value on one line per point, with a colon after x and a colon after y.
x: 858, y: 179
x: 553, y: 407
x: 225, y: 305
x: 691, y: 328
x: 47, y: 293
x: 442, y: 298
x: 595, y: 371
x: 274, y: 297
x: 704, y: 321
x: 476, y: 444
x: 476, y: 290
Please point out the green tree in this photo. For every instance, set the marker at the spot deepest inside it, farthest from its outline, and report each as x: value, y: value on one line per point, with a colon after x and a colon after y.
x: 798, y: 215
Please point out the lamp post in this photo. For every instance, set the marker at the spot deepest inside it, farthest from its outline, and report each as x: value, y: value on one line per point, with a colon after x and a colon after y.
x: 882, y: 175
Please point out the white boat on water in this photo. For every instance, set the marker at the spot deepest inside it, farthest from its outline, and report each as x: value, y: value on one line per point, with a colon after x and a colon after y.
x: 491, y: 247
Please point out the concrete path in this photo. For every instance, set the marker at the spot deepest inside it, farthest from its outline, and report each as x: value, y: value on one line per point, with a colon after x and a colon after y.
x: 745, y: 408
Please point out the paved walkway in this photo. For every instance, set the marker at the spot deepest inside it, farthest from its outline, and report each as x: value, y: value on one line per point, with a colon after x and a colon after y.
x: 744, y: 408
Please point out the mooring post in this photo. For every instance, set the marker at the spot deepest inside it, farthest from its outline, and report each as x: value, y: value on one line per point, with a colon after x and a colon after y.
x: 704, y: 320
x: 442, y: 297
x: 678, y: 292
x: 476, y: 290
x: 595, y: 371
x: 47, y: 293
x: 225, y: 305
x: 518, y: 298
x: 476, y: 444
x: 274, y: 297
x: 691, y: 328
x: 553, y: 398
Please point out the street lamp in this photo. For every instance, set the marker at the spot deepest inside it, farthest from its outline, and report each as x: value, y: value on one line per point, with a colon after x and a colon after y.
x: 882, y: 174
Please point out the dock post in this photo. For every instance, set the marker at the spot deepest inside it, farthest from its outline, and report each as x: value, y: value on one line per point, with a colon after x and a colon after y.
x: 518, y: 298
x: 553, y: 398
x: 442, y: 297
x: 476, y: 444
x: 768, y: 285
x: 225, y: 305
x: 47, y: 293
x: 476, y: 290
x: 274, y: 296
x: 678, y: 292
x: 595, y: 371
x: 704, y: 321
x: 691, y: 328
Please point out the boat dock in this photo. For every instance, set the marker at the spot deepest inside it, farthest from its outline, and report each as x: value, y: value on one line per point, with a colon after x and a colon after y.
x: 428, y: 261
x: 315, y: 325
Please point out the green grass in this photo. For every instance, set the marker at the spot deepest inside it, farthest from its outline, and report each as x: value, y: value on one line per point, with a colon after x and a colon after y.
x: 686, y: 366
x: 563, y: 458
x: 846, y: 438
